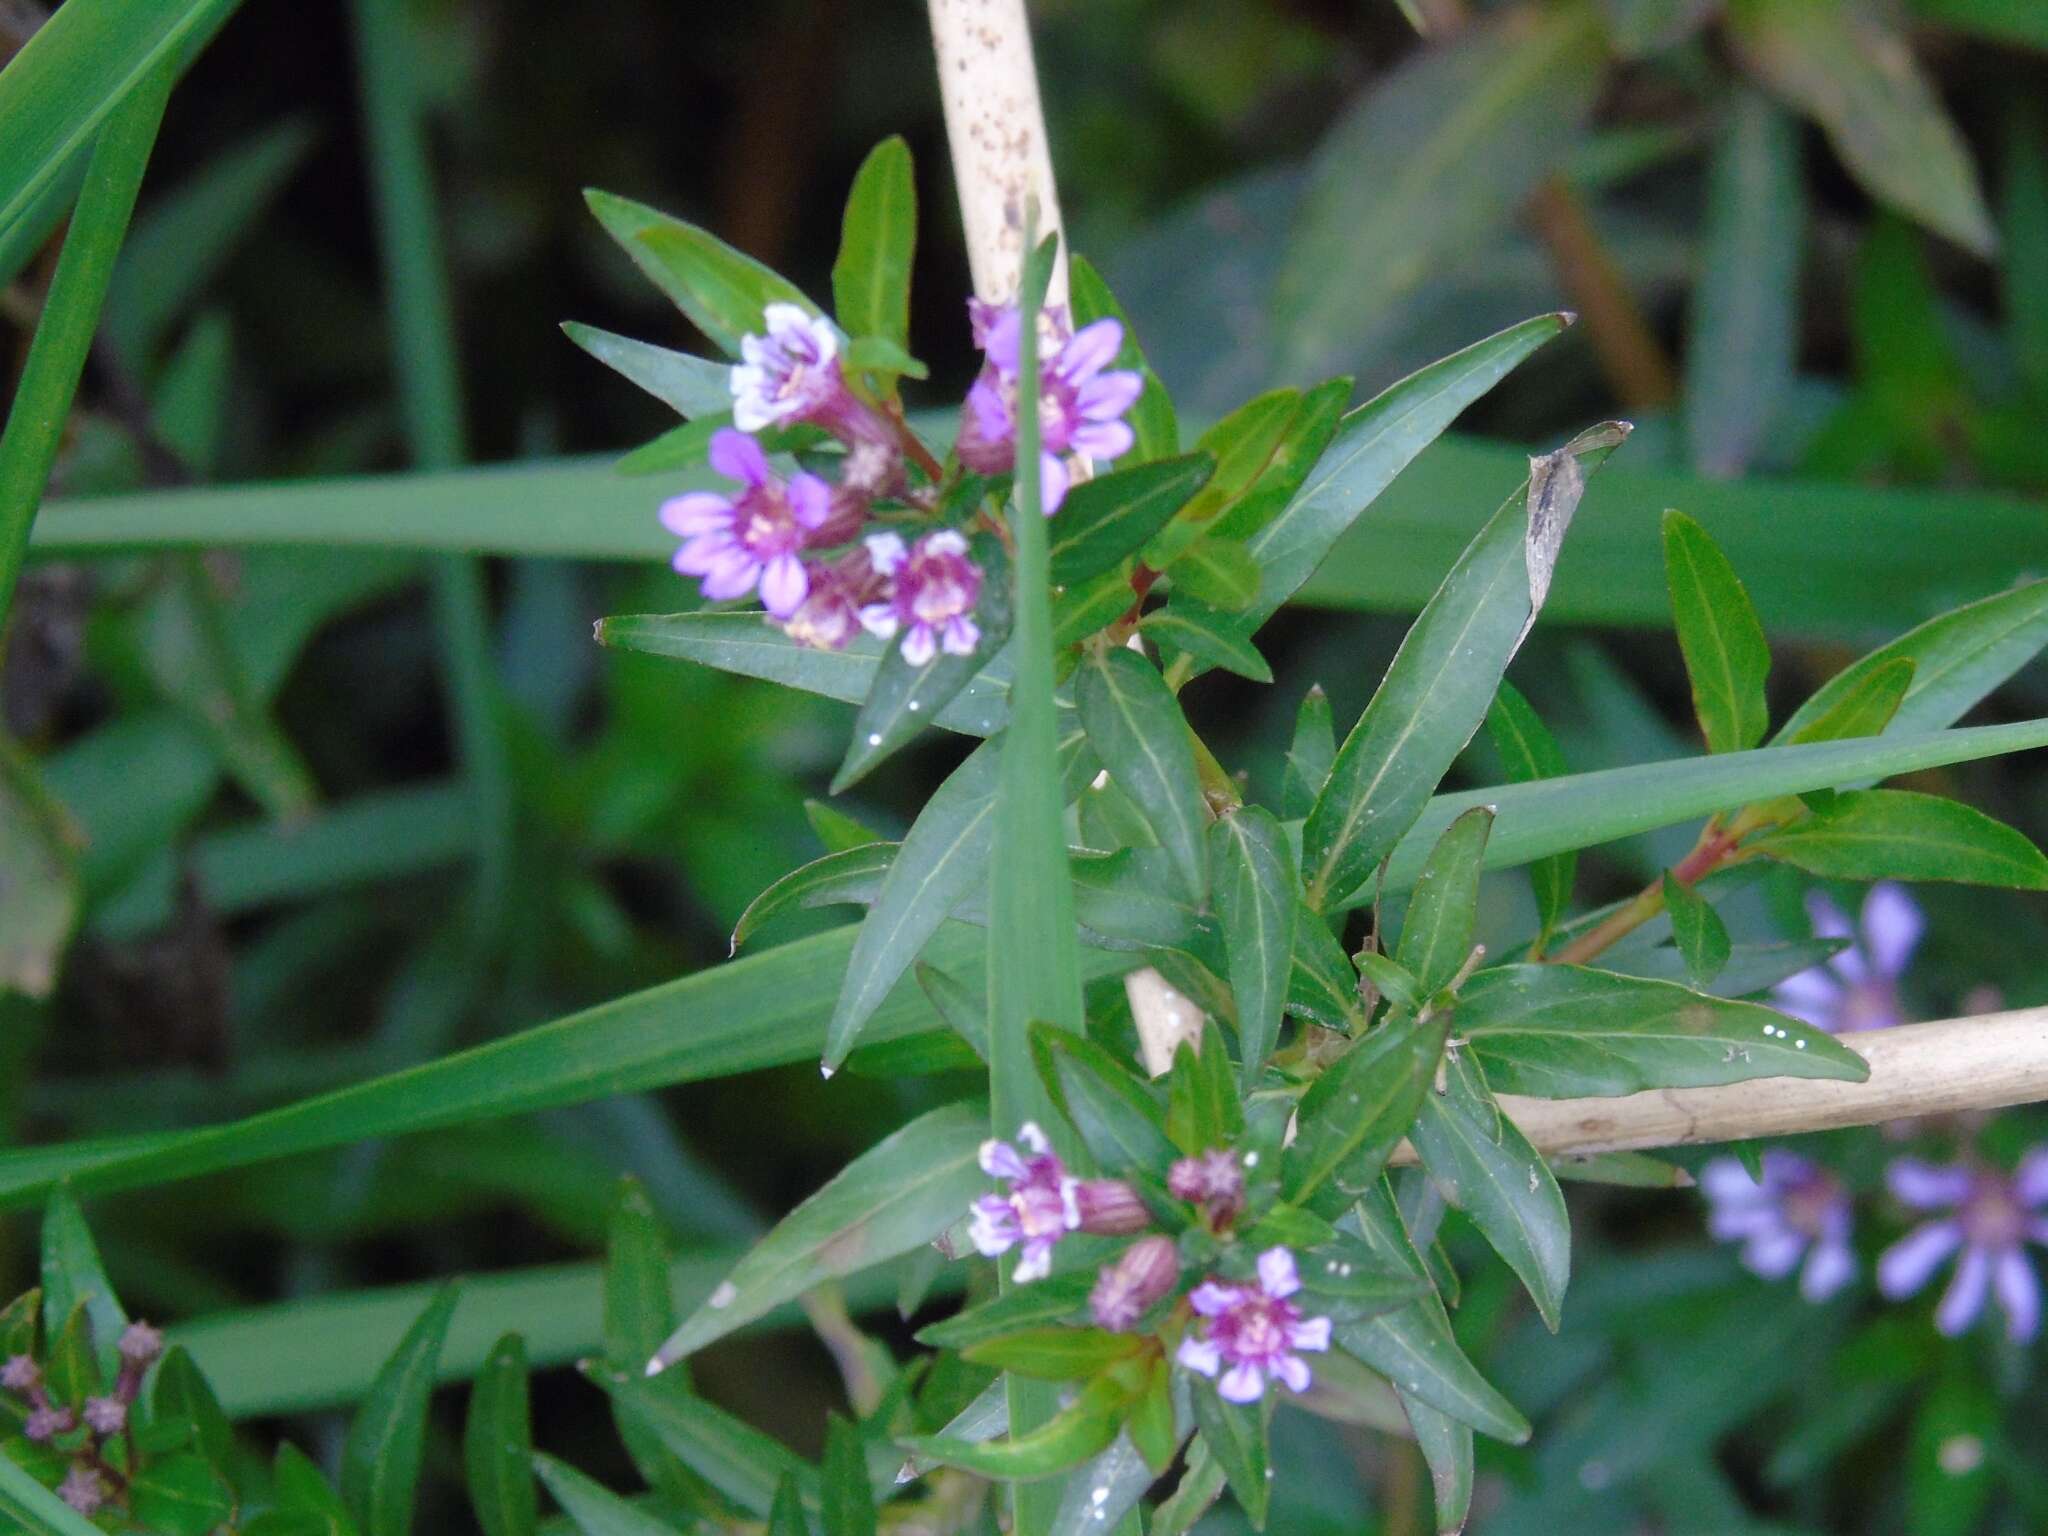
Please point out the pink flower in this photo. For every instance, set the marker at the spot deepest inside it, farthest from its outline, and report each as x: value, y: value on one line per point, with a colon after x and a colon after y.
x: 1799, y: 1210
x: 788, y: 374
x: 1858, y: 988
x: 738, y: 543
x: 934, y: 588
x: 1214, y: 1181
x: 1080, y: 406
x: 1994, y: 1218
x: 1125, y: 1290
x: 1247, y: 1333
x: 82, y: 1489
x: 829, y: 616
x: 105, y: 1415
x: 1041, y: 1206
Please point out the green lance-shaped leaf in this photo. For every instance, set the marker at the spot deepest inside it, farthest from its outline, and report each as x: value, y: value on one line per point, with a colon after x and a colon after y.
x: 1217, y: 573
x: 39, y: 884
x: 1323, y: 985
x: 387, y: 1442
x: 181, y: 1391
x: 639, y: 1314
x: 73, y: 1368
x: 1203, y: 634
x: 1356, y: 1113
x: 723, y: 291
x: 1562, y: 1032
x: 1726, y: 656
x: 1744, y: 329
x: 871, y: 277
x: 1203, y: 1110
x: 1957, y: 659
x: 1865, y: 707
x: 592, y: 1508
x: 1697, y: 930
x: 848, y: 1496
x: 1242, y: 444
x: 1257, y: 899
x: 853, y: 875
x: 906, y: 696
x: 1896, y: 834
x: 1236, y: 1434
x: 1310, y: 753
x: 304, y: 1495
x: 180, y: 1495
x: 901, y: 1193
x: 961, y: 1006
x: 497, y: 1444
x: 1118, y: 1115
x: 1529, y: 752
x: 1200, y: 1485
x: 786, y: 1517
x: 1053, y: 1354
x: 837, y: 830
x: 1446, y: 1446
x: 1080, y: 1430
x: 1309, y: 434
x: 1443, y: 910
x: 1152, y: 419
x: 1485, y: 1167
x: 1860, y: 82
x: 1056, y: 1299
x: 1108, y: 519
x: 732, y: 1456
x: 1443, y: 679
x: 1413, y: 1347
x: 73, y: 1276
x: 1136, y: 728
x: 1104, y: 1495
x: 692, y: 387
x: 1749, y: 969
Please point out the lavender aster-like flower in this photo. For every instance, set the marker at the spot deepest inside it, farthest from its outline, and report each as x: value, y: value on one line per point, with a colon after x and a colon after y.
x: 752, y: 539
x: 1245, y: 1334
x: 933, y: 590
x: 1041, y: 1206
x: 1993, y: 1219
x: 1080, y: 405
x: 83, y: 1489
x: 1125, y: 1291
x: 1799, y: 1210
x: 1858, y: 988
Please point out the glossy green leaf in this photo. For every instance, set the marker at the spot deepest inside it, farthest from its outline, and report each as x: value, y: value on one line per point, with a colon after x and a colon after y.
x: 639, y: 1314
x: 1323, y: 985
x: 1446, y: 1446
x: 1529, y: 752
x: 786, y: 1517
x: 1062, y: 1442
x: 386, y: 1445
x: 1152, y: 419
x: 848, y: 1500
x: 907, y: 696
x: 1135, y: 725
x: 1203, y: 1111
x: 871, y: 277
x: 1897, y: 834
x: 851, y: 875
x: 722, y: 290
x: 1864, y: 706
x: 690, y: 386
x: 1442, y: 681
x: 305, y: 1495
x: 1200, y: 1485
x: 1443, y: 908
x: 1345, y: 1279
x: 1219, y: 574
x: 1726, y: 656
x: 1485, y: 1167
x: 593, y: 1509
x: 1355, y: 1114
x: 1697, y: 931
x: 1841, y: 66
x: 1152, y: 1432
x: 1109, y: 518
x: 1203, y: 634
x: 1310, y: 753
x: 1057, y: 1299
x: 837, y: 830
x: 39, y: 884
x: 180, y: 1495
x: 1242, y: 444
x: 180, y: 1390
x: 1561, y: 1032
x: 1744, y: 329
x: 34, y: 1509
x: 497, y: 1444
x: 1236, y: 1436
x: 1118, y: 1116
x: 1748, y: 970
x: 73, y: 1276
x: 1257, y: 899
x: 734, y: 1457
x: 1053, y: 1354
x: 963, y: 1008
x: 901, y: 1193
x: 1310, y: 431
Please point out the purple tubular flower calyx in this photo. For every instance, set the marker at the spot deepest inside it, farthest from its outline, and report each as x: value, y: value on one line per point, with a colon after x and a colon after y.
x: 1126, y: 1289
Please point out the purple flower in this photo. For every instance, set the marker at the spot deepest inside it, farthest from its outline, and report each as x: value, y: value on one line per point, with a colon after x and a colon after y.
x: 1214, y: 1181
x: 787, y: 375
x: 1992, y: 1222
x: 1125, y: 1291
x: 105, y: 1415
x: 46, y: 1423
x: 1858, y: 988
x: 738, y: 543
x: 1080, y: 406
x: 934, y: 588
x: 829, y: 616
x: 1246, y: 1333
x: 21, y: 1374
x: 1041, y: 1207
x: 140, y: 1343
x: 1800, y: 1209
x: 82, y: 1489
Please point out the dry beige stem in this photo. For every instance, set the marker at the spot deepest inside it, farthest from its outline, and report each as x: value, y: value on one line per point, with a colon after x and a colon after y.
x: 996, y: 129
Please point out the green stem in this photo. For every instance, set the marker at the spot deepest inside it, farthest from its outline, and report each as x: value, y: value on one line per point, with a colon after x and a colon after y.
x: 422, y: 317
x: 71, y: 313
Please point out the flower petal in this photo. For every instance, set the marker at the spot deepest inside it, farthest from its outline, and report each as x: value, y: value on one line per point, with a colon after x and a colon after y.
x: 1925, y: 1187
x: 962, y: 636
x: 733, y: 575
x: 1312, y: 1334
x: 783, y: 585
x: 1277, y: 1274
x: 1813, y: 997
x: 1774, y: 1251
x: 1107, y: 396
x: 879, y: 619
x: 1090, y: 350
x: 1892, y: 925
x: 1831, y: 1266
x: 1102, y: 440
x: 1052, y: 477
x: 738, y: 457
x: 2019, y: 1295
x: 920, y: 645
x: 1964, y: 1298
x: 810, y: 499
x: 999, y: 1160
x: 1910, y: 1263
x: 1036, y: 1263
x: 992, y: 1226
x: 1242, y: 1383
x: 2030, y: 1179
x: 1199, y: 1356
x: 1212, y: 1298
x: 696, y: 512
x: 1293, y: 1372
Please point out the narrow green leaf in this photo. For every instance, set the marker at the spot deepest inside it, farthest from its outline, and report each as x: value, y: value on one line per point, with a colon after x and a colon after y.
x: 958, y: 1004
x: 593, y: 1509
x: 1356, y: 1113
x: 1864, y: 707
x: 871, y: 277
x: 1446, y: 1446
x: 837, y: 830
x: 1438, y: 688
x: 386, y: 1445
x: 1529, y: 752
x: 1201, y: 633
x: 734, y: 1457
x: 1562, y: 1032
x: 1053, y: 1354
x: 1697, y: 930
x: 1324, y: 983
x: 1726, y: 656
x: 692, y: 387
x: 1060, y: 1444
x: 1200, y: 1485
x: 181, y: 1391
x: 786, y: 1518
x: 1152, y: 420
x: 1055, y: 1299
x: 1859, y: 80
x: 39, y: 880
x: 1218, y: 573
x: 497, y: 1444
x: 306, y: 1497
x: 1310, y: 754
x: 1242, y: 444
x: 899, y: 1194
x: 1203, y: 1111
x: 1118, y: 1116
x: 851, y: 875
x: 1310, y: 431
x: 1443, y: 910
x: 848, y: 1495
x: 1897, y: 834
x: 73, y: 1276
x: 639, y: 1313
x: 1236, y: 1436
x: 1257, y: 899
x: 30, y: 1507
x: 1136, y: 727
x: 723, y: 291
x: 1744, y: 331
x: 180, y: 1495
x: 1485, y: 1167
x: 1108, y: 519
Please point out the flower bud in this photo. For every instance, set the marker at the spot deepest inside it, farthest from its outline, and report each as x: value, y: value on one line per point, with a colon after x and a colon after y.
x: 1214, y: 1181
x: 106, y: 1415
x: 21, y: 1374
x: 46, y: 1423
x: 141, y: 1344
x: 1125, y: 1290
x: 1110, y: 1208
x: 83, y: 1489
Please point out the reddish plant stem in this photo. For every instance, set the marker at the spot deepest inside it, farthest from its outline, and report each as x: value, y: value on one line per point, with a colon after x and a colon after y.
x: 1717, y: 846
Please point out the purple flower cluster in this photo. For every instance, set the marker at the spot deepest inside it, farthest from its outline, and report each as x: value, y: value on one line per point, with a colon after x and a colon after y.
x: 1044, y: 1203
x: 86, y: 1485
x: 1992, y: 1217
x: 801, y: 542
x: 1248, y: 1334
x: 1798, y: 1210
